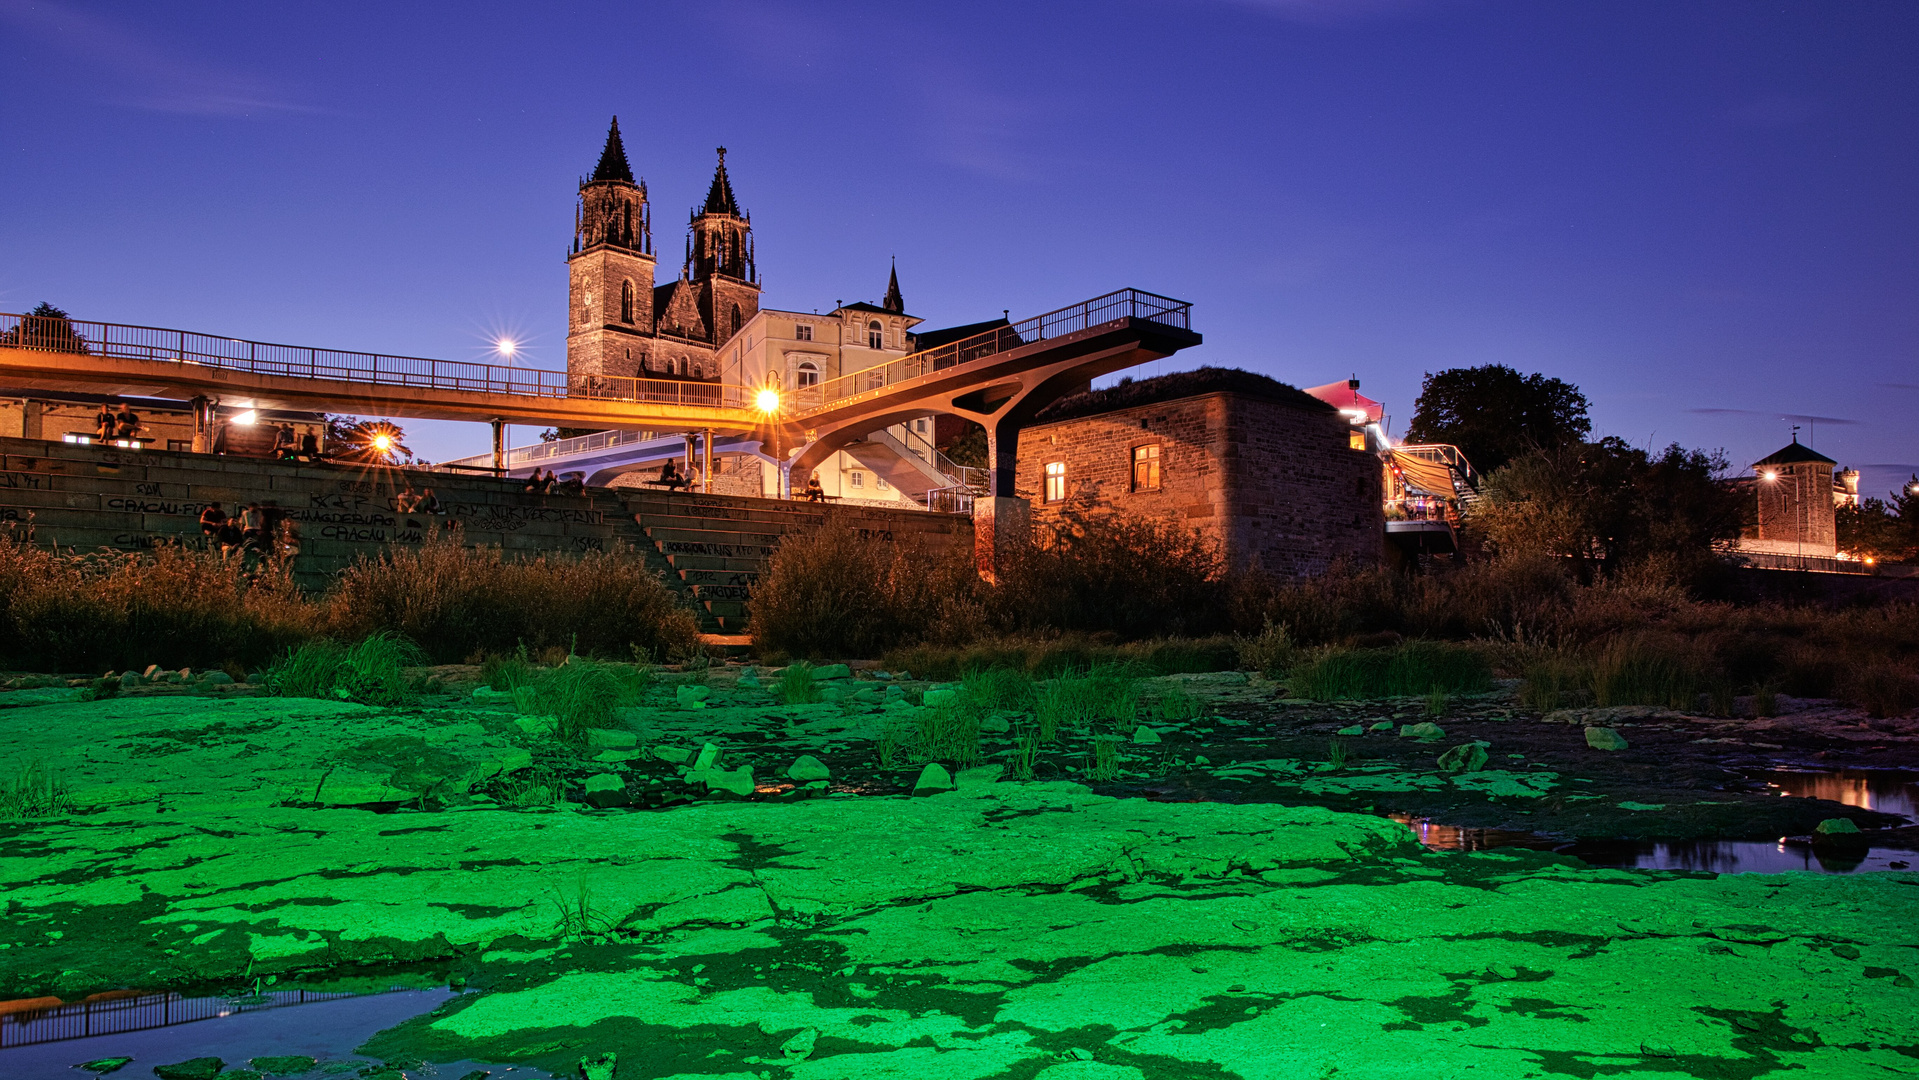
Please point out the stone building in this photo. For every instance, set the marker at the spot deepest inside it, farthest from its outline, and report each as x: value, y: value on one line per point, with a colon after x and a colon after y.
x: 1268, y: 472
x: 1796, y: 497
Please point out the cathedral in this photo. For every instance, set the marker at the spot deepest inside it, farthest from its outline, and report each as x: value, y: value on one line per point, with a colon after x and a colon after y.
x: 623, y: 321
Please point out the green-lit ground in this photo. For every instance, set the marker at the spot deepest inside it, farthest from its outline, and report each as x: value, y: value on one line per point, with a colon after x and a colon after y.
x: 1002, y: 929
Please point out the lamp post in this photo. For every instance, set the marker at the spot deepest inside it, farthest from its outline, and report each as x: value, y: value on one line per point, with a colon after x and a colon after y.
x: 768, y: 402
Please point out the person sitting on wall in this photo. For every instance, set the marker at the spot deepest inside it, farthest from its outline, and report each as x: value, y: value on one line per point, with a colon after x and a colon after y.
x: 309, y: 446
x: 283, y: 443
x: 406, y: 502
x: 814, y: 492
x: 105, y: 423
x: 429, y: 503
x: 670, y: 477
x: 126, y: 423
x: 574, y: 484
x: 212, y: 520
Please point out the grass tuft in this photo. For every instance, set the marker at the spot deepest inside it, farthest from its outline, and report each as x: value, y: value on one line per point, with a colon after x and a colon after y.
x: 372, y: 672
x: 34, y: 793
x: 1414, y: 669
x: 581, y: 695
x: 797, y: 685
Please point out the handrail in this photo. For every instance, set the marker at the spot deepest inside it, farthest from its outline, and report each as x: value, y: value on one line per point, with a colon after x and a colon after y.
x: 119, y: 341
x: 1123, y: 304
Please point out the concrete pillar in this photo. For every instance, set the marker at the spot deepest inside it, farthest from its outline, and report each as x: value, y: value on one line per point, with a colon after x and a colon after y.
x: 499, y: 446
x: 1002, y: 529
x: 706, y: 462
x: 202, y: 410
x: 688, y: 471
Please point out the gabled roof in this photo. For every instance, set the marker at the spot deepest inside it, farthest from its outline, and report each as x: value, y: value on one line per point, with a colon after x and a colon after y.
x: 861, y: 305
x: 719, y: 196
x: 1131, y: 394
x: 613, y: 165
x: 1793, y: 455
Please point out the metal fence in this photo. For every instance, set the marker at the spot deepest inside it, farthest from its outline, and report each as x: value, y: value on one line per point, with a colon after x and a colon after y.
x: 189, y: 350
x: 110, y: 1016
x: 1124, y: 304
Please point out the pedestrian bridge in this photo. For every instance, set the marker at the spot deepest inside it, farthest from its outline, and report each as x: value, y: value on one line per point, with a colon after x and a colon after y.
x: 999, y: 378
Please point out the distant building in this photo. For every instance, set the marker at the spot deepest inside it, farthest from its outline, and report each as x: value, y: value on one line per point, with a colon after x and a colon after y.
x: 1269, y: 472
x: 1795, y: 493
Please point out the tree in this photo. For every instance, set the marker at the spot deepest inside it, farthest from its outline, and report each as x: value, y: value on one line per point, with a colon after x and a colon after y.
x: 46, y: 327
x: 373, y: 442
x: 1494, y: 414
x: 1882, y: 530
x: 1608, y: 505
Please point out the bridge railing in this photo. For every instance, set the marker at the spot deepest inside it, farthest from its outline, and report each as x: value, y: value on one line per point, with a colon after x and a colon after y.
x: 122, y: 342
x: 1124, y: 304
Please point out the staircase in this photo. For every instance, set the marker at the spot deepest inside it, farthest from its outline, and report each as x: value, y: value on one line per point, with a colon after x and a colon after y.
x: 711, y: 549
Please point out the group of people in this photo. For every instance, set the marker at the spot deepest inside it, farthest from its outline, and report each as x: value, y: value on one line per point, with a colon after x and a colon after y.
x: 540, y: 483
x: 288, y: 448
x: 262, y: 530
x: 121, y: 423
x: 409, y: 501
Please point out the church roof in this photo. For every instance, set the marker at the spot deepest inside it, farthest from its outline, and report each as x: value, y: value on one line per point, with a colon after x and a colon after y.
x: 613, y: 164
x: 1131, y: 393
x: 719, y: 197
x: 894, y: 302
x: 1793, y: 455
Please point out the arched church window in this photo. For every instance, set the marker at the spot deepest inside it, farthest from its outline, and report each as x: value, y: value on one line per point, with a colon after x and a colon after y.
x: 875, y: 336
x: 626, y: 301
x: 699, y: 371
x: 808, y: 375
x: 736, y: 318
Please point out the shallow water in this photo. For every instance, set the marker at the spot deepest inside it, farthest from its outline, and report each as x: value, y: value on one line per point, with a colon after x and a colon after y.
x: 1888, y: 791
x: 324, y: 1030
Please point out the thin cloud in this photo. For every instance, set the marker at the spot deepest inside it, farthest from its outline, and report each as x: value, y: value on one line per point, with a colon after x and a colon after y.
x: 1840, y: 420
x: 148, y: 75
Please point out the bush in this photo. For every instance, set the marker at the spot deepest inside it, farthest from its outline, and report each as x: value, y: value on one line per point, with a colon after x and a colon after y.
x: 797, y: 685
x: 372, y: 672
x: 458, y: 601
x: 1882, y: 690
x: 838, y: 593
x: 1131, y: 576
x: 581, y: 695
x: 1416, y: 668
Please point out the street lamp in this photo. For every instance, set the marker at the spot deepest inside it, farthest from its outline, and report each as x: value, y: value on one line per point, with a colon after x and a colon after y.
x: 506, y: 347
x: 768, y: 402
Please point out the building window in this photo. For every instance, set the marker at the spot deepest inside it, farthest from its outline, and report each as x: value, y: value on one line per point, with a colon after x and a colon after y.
x: 920, y: 425
x: 879, y: 482
x: 1356, y: 439
x: 857, y: 479
x: 802, y: 333
x: 699, y: 372
x: 736, y: 318
x: 875, y: 336
x: 626, y: 301
x: 1146, y: 468
x: 808, y: 375
x: 1055, y: 481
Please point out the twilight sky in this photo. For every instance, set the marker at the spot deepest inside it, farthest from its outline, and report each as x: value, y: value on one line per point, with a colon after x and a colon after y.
x: 1705, y: 214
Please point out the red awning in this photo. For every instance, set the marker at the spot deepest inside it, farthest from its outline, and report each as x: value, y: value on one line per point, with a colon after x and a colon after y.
x: 1342, y: 396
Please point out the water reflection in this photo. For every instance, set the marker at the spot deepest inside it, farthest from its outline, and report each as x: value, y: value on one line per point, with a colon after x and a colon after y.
x: 1884, y: 790
x: 1438, y: 837
x: 1734, y: 857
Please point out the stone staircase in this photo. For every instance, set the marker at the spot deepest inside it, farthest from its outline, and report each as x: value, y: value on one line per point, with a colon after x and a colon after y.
x: 712, y: 548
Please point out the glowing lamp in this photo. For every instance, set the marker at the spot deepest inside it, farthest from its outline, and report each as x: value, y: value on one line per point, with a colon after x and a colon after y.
x: 1771, y: 475
x: 506, y: 347
x: 768, y: 400
x: 245, y: 418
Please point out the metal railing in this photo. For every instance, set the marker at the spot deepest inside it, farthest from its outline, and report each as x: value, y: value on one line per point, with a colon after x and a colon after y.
x: 967, y: 475
x: 1124, y: 304
x: 121, y: 342
x: 139, y: 1012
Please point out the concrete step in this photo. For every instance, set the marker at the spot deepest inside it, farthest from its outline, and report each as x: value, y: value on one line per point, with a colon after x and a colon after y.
x: 715, y: 562
x: 730, y: 537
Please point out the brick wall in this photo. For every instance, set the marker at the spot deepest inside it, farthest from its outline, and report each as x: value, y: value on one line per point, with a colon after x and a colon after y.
x: 1272, y: 483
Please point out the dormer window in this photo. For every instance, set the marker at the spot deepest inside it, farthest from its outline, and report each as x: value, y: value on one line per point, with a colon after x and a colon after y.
x: 875, y: 335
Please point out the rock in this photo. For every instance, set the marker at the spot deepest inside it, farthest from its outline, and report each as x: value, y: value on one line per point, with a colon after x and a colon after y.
x: 867, y: 694
x: 675, y: 754
x: 132, y: 679
x: 1356, y: 729
x: 1383, y: 725
x: 1835, y: 826
x: 691, y: 697
x: 995, y: 725
x: 932, y: 780
x: 1610, y: 714
x: 708, y: 757
x: 737, y: 781
x: 1145, y: 736
x: 1845, y: 952
x: 256, y: 677
x: 487, y: 693
x: 1839, y: 833
x: 1466, y: 758
x: 201, y: 1068
x: 1605, y: 738
x: 1089, y: 1070
x: 612, y: 738
x: 537, y: 725
x: 151, y: 671
x: 216, y: 678
x: 939, y: 695
x: 807, y: 767
x: 978, y: 776
x: 102, y: 1066
x: 831, y: 671
x: 606, y: 789
x: 599, y: 1068
x: 1425, y: 729
x: 800, y: 1047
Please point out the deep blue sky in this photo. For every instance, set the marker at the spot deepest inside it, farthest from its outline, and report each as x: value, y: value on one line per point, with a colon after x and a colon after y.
x: 1704, y: 214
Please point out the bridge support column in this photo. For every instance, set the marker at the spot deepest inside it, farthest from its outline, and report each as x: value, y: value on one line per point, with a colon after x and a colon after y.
x: 706, y: 462
x: 1002, y: 528
x: 499, y: 445
x: 202, y: 425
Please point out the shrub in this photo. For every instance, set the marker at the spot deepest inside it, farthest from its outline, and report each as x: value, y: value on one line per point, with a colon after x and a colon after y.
x: 1415, y: 668
x: 1882, y: 690
x: 581, y: 695
x: 1132, y: 576
x: 459, y: 601
x: 1558, y: 680
x: 1044, y: 658
x: 1635, y: 671
x: 797, y: 685
x: 838, y: 593
x: 508, y: 672
x: 372, y: 672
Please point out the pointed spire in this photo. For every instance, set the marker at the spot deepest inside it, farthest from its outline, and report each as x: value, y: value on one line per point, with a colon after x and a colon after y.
x: 719, y: 197
x: 613, y: 164
x: 894, y: 302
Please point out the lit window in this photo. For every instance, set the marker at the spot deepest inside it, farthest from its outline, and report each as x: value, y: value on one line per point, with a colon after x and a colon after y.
x: 808, y: 375
x: 875, y: 336
x: 857, y: 479
x: 802, y: 333
x: 1357, y: 439
x: 1146, y: 468
x: 1056, y: 481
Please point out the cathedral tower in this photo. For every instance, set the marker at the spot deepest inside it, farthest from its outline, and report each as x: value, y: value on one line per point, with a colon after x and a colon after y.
x: 719, y: 259
x: 610, y: 270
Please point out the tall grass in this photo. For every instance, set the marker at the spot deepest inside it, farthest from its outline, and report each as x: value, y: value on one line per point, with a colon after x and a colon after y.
x: 838, y: 593
x: 1046, y: 658
x: 33, y: 792
x: 372, y: 672
x: 1416, y: 668
x: 797, y: 685
x: 581, y: 695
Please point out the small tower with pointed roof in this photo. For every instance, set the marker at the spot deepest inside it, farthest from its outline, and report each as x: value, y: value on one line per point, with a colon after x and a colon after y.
x: 610, y: 286
x: 719, y: 258
x: 1794, y: 487
x: 894, y: 302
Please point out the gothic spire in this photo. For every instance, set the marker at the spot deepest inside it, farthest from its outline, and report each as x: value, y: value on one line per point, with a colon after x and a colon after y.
x: 613, y: 164
x: 719, y: 197
x: 894, y: 302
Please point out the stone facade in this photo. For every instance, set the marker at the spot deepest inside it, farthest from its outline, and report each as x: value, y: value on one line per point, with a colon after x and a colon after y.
x: 1267, y: 472
x: 1794, y: 488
